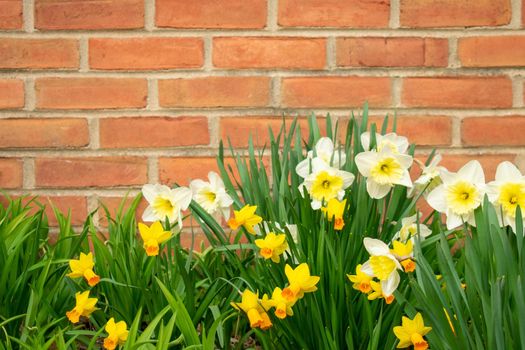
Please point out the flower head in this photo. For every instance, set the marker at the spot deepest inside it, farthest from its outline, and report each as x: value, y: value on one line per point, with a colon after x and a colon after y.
x: 283, y: 306
x: 334, y: 211
x: 384, y: 289
x: 410, y: 228
x: 390, y: 141
x: 430, y: 177
x: 507, y: 192
x: 117, y: 334
x: 325, y: 153
x: 153, y: 236
x: 383, y: 170
x: 83, y: 267
x: 212, y: 195
x: 84, y: 306
x: 299, y: 282
x: 411, y: 332
x: 382, y: 263
x: 361, y: 281
x: 326, y: 183
x: 460, y: 194
x: 253, y: 308
x: 272, y: 246
x: 246, y: 218
x: 165, y: 202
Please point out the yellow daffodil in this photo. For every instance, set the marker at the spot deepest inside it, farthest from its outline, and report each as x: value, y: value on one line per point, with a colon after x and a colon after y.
x: 246, y: 218
x: 383, y: 170
x: 117, y: 334
x: 507, y: 192
x: 165, y: 203
x: 83, y: 267
x: 272, y: 246
x: 153, y: 236
x: 411, y: 333
x: 283, y: 306
x: 84, y: 306
x: 299, y: 282
x: 361, y: 281
x: 334, y: 211
x: 253, y: 308
x: 460, y: 194
x: 382, y: 264
x: 404, y: 252
x: 384, y: 289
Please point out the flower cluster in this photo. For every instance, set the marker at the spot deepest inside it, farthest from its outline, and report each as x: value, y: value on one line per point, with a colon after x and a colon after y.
x: 282, y: 300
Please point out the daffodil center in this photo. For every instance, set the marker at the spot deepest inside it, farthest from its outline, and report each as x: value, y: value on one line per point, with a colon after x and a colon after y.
x: 463, y: 197
x: 387, y: 171
x: 382, y: 266
x: 512, y: 195
x: 210, y: 196
x: 326, y: 186
x: 162, y: 206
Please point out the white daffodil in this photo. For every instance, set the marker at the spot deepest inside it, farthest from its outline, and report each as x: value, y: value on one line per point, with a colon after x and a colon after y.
x: 165, y: 202
x: 326, y: 183
x: 460, y: 194
x: 391, y: 141
x: 383, y: 170
x: 324, y: 152
x: 382, y: 263
x: 212, y: 195
x: 429, y: 178
x: 409, y: 228
x: 507, y: 192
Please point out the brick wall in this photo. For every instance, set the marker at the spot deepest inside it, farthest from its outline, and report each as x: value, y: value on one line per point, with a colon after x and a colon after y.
x: 99, y: 97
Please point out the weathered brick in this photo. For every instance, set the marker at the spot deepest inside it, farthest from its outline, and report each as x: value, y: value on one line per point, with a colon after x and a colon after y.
x: 150, y: 132
x: 228, y: 14
x: 311, y: 92
x: 493, y: 51
x: 181, y: 170
x: 10, y: 173
x: 392, y: 52
x: 269, y: 52
x: 493, y: 131
x: 215, y: 92
x: 454, y: 13
x: 43, y: 133
x: 145, y: 53
x: 11, y: 93
x: 88, y: 14
x: 38, y: 53
x: 90, y: 93
x: 334, y: 13
x: 90, y: 172
x: 10, y: 14
x: 457, y: 92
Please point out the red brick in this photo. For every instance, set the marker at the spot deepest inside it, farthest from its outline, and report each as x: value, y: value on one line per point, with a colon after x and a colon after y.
x: 44, y: 133
x: 181, y: 170
x: 493, y: 131
x: 457, y: 92
x: 454, y: 13
x: 10, y: 14
x: 334, y: 13
x: 311, y: 92
x: 231, y: 14
x: 215, y: 92
x: 151, y: 132
x: 489, y: 162
x: 268, y: 52
x: 38, y: 53
x: 238, y: 130
x: 113, y: 204
x: 10, y: 173
x: 425, y: 130
x: 392, y: 52
x: 90, y: 172
x: 90, y: 93
x: 11, y: 93
x: 88, y: 14
x: 145, y: 53
x: 494, y: 51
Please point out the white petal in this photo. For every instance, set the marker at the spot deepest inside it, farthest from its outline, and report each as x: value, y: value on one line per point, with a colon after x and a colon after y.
x: 224, y: 199
x: 148, y: 215
x: 453, y: 220
x: 303, y: 168
x: 324, y: 146
x: 182, y: 196
x: 366, y: 268
x: 405, y: 180
x: 316, y: 205
x: 347, y: 177
x: 365, y: 140
x: 197, y: 184
x: 405, y: 160
x: 376, y: 190
x: 149, y: 192
x: 375, y: 246
x: 225, y: 212
x: 401, y: 142
x: 472, y: 172
x: 215, y: 180
x: 390, y: 285
x: 436, y: 199
x: 508, y: 172
x: 492, y: 190
x: 447, y: 177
